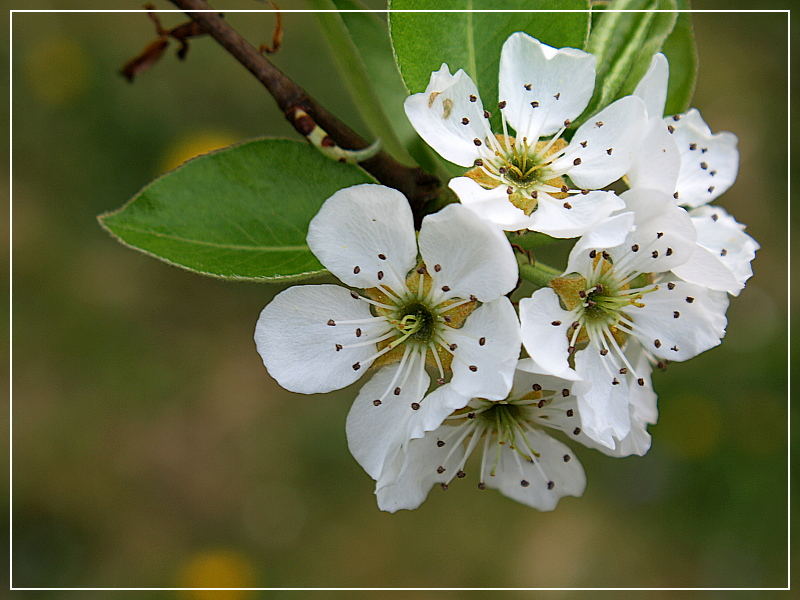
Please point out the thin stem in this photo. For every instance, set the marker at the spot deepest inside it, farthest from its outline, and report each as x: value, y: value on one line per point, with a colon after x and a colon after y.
x: 418, y: 186
x: 538, y: 273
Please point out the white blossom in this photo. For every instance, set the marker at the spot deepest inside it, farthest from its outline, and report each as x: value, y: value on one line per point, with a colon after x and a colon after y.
x: 617, y: 298
x: 445, y: 312
x: 514, y: 443
x: 535, y: 179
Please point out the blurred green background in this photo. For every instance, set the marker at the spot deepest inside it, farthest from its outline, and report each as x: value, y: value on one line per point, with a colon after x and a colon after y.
x: 152, y: 449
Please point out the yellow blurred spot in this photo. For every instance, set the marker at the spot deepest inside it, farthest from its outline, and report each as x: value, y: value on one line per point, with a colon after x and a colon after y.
x: 193, y: 145
x: 689, y: 425
x: 217, y: 569
x: 57, y: 70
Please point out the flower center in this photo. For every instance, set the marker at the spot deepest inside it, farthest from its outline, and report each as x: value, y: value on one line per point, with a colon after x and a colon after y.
x: 418, y: 323
x: 521, y: 167
x: 499, y: 426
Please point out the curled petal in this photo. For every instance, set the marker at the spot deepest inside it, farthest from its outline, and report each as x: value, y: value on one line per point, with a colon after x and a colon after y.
x: 449, y: 116
x: 652, y: 88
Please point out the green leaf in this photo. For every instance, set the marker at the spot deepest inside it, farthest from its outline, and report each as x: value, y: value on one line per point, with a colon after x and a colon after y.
x: 681, y: 51
x: 239, y: 213
x: 357, y: 77
x: 624, y: 44
x: 472, y: 40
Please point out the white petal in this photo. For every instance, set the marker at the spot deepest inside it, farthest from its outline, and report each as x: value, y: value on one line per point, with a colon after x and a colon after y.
x: 411, y: 471
x: 641, y: 408
x: 706, y: 268
x: 374, y: 433
x: 664, y: 236
x: 725, y: 246
x: 605, y: 416
x: 489, y: 341
x: 652, y: 88
x: 545, y: 341
x: 491, y: 205
x: 699, y: 324
x: 299, y: 347
x: 356, y: 227
x: 709, y: 162
x: 438, y: 115
x: 548, y: 479
x: 560, y: 81
x: 553, y: 218
x: 609, y: 233
x: 658, y: 162
x: 473, y: 256
x: 619, y: 128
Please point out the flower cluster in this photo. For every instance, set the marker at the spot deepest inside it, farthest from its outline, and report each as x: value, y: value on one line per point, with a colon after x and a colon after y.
x: 451, y: 368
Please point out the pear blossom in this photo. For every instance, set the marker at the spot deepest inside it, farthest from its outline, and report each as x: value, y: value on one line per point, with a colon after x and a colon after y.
x: 513, y: 438
x: 445, y: 312
x: 618, y: 298
x: 680, y: 156
x: 534, y: 179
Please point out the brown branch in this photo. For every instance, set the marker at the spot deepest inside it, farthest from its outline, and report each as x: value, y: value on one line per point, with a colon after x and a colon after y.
x: 417, y: 185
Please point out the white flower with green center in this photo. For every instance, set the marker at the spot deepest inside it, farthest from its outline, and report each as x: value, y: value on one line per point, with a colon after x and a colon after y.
x: 445, y: 312
x: 534, y: 179
x: 513, y: 443
x: 616, y: 299
x: 680, y: 156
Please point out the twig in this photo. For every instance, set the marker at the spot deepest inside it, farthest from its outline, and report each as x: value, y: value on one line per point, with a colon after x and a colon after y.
x: 417, y: 185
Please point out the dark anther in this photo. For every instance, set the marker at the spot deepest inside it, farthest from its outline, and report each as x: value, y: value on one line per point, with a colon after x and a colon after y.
x: 670, y: 128
x: 482, y: 341
x: 453, y: 347
x: 655, y: 254
x: 501, y: 105
x: 356, y: 366
x: 440, y: 469
x: 689, y: 299
x: 415, y: 406
x: 635, y: 247
x: 567, y: 205
x: 331, y: 322
x: 473, y: 368
x: 566, y: 458
x: 657, y: 343
x: 555, y: 323
x: 356, y: 269
x: 380, y: 275
x: 376, y: 402
x: 382, y: 256
x: 477, y: 142
x: 576, y: 162
x: 481, y: 486
x: 536, y: 387
x: 445, y: 288
x: 576, y: 431
x: 599, y: 124
x: 473, y: 98
x: 437, y: 268
x: 550, y: 485
x: 461, y: 474
x: 524, y: 483
x: 339, y: 347
x: 534, y: 104
x: 623, y: 371
x: 668, y: 252
x: 570, y: 412
x: 358, y: 332
x: 640, y: 381
x: 565, y: 392
x: 465, y: 121
x: 439, y: 443
x: 603, y: 352
x: 670, y: 286
x: 397, y: 391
